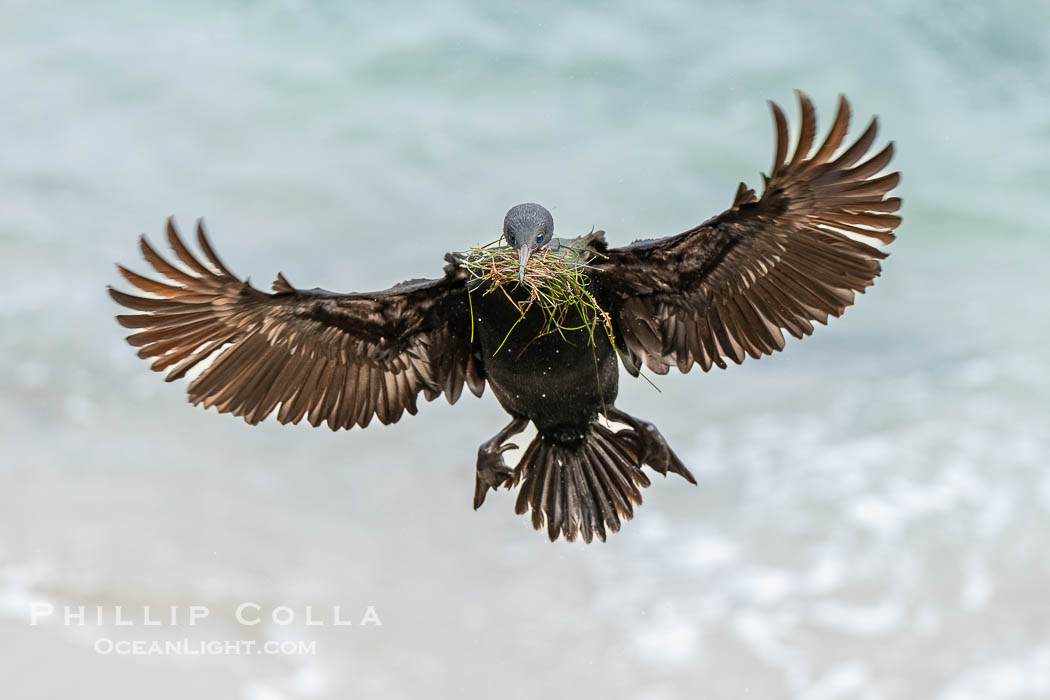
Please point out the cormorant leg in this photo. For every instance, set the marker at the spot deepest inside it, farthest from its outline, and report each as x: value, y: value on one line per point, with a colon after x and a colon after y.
x: 492, y: 470
x: 654, y: 448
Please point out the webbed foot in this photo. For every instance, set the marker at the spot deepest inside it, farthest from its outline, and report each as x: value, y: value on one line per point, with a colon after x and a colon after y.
x: 492, y: 471
x: 653, y: 449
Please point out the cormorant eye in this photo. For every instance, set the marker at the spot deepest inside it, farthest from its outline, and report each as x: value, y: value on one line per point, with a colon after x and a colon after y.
x: 510, y: 239
x: 539, y: 239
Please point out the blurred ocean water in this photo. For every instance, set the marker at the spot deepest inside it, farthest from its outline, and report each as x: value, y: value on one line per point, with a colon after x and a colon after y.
x: 874, y: 503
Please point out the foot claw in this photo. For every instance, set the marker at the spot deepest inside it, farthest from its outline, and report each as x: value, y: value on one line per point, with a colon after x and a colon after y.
x: 653, y: 449
x: 492, y: 471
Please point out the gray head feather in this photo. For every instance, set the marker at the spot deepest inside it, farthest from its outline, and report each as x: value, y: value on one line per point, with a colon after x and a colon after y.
x: 527, y: 227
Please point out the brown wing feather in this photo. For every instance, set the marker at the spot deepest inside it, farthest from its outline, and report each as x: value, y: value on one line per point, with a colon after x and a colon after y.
x: 729, y: 287
x: 332, y: 358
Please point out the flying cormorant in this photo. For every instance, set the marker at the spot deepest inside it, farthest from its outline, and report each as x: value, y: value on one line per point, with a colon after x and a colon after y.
x: 724, y: 290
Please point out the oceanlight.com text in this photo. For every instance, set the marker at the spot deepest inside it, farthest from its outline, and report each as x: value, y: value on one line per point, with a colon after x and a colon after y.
x: 188, y: 647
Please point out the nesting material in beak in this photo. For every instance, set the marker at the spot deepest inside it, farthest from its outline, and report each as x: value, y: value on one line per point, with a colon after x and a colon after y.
x: 523, y: 258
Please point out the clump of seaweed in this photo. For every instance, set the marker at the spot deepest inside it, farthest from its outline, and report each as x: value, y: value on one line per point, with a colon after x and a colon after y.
x: 555, y: 281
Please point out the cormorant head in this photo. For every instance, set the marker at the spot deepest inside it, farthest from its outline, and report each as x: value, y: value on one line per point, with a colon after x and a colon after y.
x: 527, y: 228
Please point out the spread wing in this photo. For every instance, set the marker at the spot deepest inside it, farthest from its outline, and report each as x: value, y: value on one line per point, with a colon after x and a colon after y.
x: 730, y: 287
x: 334, y: 358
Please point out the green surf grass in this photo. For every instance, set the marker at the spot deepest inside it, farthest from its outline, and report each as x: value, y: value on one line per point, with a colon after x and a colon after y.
x: 556, y: 282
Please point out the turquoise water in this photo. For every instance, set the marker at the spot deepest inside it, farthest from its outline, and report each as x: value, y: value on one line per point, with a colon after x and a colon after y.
x: 874, y: 503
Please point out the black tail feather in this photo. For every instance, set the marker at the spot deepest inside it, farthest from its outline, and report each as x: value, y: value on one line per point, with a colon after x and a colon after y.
x: 584, y: 488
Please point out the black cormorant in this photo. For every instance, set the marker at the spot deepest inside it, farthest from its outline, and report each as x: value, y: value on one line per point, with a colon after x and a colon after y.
x: 724, y: 290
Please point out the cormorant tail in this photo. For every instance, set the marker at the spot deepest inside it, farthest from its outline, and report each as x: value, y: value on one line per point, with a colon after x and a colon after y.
x: 583, y: 483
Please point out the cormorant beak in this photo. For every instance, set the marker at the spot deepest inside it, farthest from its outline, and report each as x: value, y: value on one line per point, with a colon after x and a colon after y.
x: 523, y: 258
